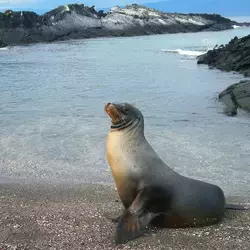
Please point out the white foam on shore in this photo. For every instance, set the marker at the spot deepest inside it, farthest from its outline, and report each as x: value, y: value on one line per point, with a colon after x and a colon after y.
x: 236, y: 26
x: 184, y: 52
x: 5, y: 48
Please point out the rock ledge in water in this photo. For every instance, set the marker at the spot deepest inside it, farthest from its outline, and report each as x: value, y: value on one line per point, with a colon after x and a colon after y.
x: 235, y: 56
x: 79, y: 21
x: 236, y: 96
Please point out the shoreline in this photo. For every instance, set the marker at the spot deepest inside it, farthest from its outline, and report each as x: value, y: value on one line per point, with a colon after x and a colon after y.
x: 59, y: 216
x: 76, y: 38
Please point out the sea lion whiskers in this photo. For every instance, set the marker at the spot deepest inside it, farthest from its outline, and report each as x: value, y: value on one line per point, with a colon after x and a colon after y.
x: 121, y: 119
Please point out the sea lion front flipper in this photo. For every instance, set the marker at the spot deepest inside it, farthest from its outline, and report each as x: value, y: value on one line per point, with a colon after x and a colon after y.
x: 135, y: 219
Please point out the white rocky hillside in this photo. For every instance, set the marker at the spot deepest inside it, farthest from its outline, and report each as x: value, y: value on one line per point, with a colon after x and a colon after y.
x: 80, y: 21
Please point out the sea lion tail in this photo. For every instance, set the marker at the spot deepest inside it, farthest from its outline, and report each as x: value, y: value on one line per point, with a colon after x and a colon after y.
x: 236, y: 207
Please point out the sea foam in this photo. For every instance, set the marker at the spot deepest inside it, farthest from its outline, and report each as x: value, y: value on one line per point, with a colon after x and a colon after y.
x: 5, y: 48
x: 184, y: 52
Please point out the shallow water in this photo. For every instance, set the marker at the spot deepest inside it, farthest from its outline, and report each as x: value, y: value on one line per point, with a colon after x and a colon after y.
x: 53, y: 124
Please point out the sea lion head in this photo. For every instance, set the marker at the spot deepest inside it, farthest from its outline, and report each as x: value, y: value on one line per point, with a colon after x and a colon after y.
x: 124, y: 116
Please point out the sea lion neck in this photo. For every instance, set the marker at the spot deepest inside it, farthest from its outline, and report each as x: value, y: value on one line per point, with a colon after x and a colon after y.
x: 132, y: 128
x: 121, y: 125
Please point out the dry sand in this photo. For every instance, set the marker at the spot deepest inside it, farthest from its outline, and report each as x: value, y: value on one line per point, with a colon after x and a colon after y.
x: 72, y: 217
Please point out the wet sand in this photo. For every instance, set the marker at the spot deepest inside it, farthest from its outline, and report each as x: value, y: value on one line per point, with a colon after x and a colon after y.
x: 67, y: 216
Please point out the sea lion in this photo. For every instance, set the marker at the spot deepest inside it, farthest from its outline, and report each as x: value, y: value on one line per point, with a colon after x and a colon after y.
x: 150, y: 190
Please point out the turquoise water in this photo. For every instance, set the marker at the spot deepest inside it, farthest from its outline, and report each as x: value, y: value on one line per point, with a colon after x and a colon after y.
x: 53, y: 126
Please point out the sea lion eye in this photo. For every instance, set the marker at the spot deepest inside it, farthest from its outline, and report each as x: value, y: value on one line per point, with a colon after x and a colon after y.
x: 124, y: 109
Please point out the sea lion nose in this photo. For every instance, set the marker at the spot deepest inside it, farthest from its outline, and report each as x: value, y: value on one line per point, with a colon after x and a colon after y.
x: 107, y: 104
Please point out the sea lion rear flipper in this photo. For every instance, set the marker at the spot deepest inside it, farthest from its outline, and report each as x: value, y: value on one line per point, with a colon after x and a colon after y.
x: 236, y: 207
x: 134, y: 220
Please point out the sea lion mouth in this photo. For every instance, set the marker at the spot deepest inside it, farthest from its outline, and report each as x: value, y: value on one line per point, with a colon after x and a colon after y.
x: 117, y: 119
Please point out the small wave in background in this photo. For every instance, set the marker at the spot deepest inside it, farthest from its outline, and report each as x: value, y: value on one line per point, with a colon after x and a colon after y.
x: 184, y: 52
x: 193, y: 51
x: 236, y: 26
x: 5, y: 48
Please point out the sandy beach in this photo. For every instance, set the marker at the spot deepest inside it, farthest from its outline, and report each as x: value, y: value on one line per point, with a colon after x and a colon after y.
x: 67, y: 216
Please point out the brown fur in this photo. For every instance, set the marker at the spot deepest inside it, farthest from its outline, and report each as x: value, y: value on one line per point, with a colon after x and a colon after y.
x: 116, y: 162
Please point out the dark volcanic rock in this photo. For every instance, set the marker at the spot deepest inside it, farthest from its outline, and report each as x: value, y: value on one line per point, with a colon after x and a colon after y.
x: 235, y: 56
x: 80, y: 21
x: 236, y: 96
x: 23, y: 19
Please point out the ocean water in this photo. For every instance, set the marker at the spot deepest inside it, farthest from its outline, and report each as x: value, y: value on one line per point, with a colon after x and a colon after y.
x: 240, y: 18
x: 53, y: 126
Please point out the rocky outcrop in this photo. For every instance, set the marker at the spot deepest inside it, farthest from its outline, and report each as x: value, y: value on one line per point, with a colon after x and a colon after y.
x: 79, y: 21
x: 61, y: 23
x: 236, y: 96
x: 235, y: 56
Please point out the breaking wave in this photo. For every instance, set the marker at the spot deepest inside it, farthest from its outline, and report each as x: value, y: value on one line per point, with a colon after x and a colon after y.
x: 184, y: 52
x: 236, y: 26
x: 5, y: 48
